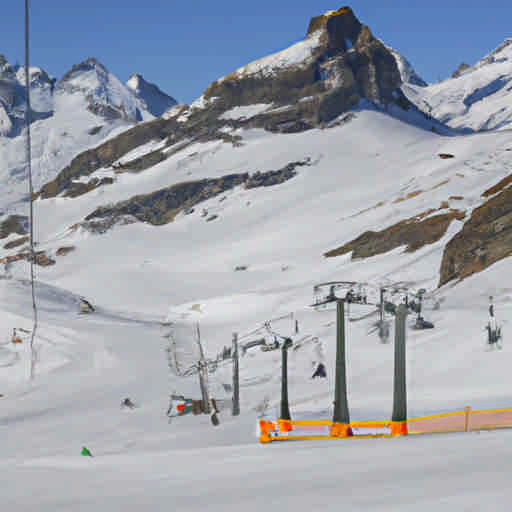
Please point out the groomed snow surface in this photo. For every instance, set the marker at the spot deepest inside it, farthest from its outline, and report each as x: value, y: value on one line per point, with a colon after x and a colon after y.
x: 365, y: 174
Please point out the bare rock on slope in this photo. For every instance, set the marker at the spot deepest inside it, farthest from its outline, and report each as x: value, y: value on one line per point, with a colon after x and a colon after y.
x: 413, y: 233
x: 485, y: 239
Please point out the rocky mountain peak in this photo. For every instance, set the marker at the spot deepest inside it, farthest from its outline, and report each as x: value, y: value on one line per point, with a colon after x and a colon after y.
x: 341, y: 26
x: 338, y: 64
x: 150, y: 95
x: 88, y: 64
x: 105, y: 95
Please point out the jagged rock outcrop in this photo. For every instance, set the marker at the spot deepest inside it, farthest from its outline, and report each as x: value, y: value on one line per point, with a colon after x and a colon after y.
x: 162, y: 206
x: 17, y: 224
x: 413, y: 233
x: 40, y: 258
x: 463, y: 66
x: 485, y: 238
x: 271, y: 178
x: 339, y: 63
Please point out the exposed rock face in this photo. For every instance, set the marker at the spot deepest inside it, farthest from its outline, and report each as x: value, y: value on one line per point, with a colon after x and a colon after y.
x: 104, y: 155
x: 63, y: 251
x: 485, y: 239
x: 270, y: 178
x: 341, y: 63
x: 16, y: 243
x: 14, y: 224
x: 460, y: 70
x: 162, y: 206
x: 40, y: 258
x: 413, y: 233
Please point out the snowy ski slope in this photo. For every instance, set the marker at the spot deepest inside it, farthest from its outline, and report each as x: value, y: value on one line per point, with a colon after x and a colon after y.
x: 365, y: 174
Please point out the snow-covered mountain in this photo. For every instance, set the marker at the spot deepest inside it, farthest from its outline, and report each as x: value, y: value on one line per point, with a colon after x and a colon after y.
x: 108, y: 97
x: 479, y: 98
x: 151, y: 97
x: 12, y: 96
x: 87, y: 106
x: 227, y: 214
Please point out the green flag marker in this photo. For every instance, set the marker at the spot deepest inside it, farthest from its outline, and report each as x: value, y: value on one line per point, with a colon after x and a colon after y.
x: 86, y: 452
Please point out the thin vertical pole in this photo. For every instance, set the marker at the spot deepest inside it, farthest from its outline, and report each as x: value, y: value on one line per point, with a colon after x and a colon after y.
x: 285, y: 407
x: 28, y: 119
x: 382, y: 330
x: 203, y: 375
x: 236, y: 377
x: 381, y: 307
x: 341, y: 413
x: 399, y: 384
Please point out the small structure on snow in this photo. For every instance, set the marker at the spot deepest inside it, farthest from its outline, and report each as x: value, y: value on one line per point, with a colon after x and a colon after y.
x: 86, y: 306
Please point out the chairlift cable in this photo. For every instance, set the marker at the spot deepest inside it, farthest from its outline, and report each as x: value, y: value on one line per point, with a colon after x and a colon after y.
x: 31, y: 189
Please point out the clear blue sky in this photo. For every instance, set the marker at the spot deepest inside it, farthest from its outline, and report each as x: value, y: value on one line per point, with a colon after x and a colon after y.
x: 183, y: 46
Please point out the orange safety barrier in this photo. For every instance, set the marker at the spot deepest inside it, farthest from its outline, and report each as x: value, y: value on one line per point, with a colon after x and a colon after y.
x: 466, y: 420
x: 462, y: 421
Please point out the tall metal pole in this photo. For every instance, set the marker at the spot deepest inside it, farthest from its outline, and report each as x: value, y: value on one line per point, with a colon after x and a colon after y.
x: 382, y: 330
x: 341, y: 416
x: 203, y: 375
x: 285, y: 407
x: 28, y: 119
x: 236, y: 376
x: 381, y: 307
x: 399, y: 418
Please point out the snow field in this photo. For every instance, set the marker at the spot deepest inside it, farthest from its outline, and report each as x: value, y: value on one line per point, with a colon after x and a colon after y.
x: 139, y: 276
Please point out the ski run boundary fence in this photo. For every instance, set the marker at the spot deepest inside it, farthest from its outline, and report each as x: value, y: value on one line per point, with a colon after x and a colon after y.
x: 466, y: 420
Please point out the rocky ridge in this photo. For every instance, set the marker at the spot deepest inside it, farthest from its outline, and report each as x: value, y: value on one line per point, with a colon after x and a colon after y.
x: 311, y: 84
x: 105, y: 95
x: 476, y: 98
x: 162, y: 206
x: 339, y: 63
x: 485, y: 238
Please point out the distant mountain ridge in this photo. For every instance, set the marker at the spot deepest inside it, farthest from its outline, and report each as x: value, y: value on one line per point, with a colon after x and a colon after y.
x: 322, y: 86
x: 476, y: 98
x: 86, y: 107
x: 105, y: 95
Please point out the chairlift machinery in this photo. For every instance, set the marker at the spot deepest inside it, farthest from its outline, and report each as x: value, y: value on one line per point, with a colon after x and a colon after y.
x: 385, y: 298
x: 352, y: 291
